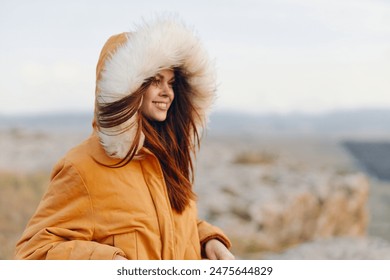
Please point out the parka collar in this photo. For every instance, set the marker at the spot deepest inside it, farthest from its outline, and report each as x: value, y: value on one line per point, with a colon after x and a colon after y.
x: 98, y: 154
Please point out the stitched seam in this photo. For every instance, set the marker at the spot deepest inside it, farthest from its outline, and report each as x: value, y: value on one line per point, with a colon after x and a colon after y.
x: 89, y: 198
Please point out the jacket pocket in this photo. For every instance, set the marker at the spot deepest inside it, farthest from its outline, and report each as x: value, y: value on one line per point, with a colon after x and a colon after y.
x: 128, y: 243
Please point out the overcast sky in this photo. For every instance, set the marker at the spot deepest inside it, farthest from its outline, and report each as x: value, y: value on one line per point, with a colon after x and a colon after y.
x: 271, y: 56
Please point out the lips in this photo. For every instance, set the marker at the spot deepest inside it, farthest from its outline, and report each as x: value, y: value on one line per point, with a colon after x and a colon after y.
x: 161, y: 105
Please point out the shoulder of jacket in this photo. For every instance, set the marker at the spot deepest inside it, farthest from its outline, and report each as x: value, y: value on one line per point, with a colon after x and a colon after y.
x: 77, y: 158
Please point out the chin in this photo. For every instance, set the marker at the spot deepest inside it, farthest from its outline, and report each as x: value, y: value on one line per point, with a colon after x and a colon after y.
x: 159, y: 118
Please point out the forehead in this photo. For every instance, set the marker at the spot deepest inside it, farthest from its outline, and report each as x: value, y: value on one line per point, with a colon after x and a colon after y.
x: 166, y: 74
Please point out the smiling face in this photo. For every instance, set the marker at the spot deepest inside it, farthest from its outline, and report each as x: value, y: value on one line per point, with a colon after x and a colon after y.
x: 159, y: 96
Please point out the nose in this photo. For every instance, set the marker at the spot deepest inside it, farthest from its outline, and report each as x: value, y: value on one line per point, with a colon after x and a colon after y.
x: 166, y: 90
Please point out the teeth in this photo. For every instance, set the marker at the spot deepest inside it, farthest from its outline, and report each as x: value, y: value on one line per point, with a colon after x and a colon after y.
x: 161, y: 105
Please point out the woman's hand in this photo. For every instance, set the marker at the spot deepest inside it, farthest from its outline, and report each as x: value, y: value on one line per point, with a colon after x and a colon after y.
x: 216, y: 250
x: 119, y: 258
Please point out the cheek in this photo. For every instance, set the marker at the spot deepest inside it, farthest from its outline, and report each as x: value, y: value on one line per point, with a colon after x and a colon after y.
x: 146, y: 107
x: 147, y: 98
x: 148, y: 95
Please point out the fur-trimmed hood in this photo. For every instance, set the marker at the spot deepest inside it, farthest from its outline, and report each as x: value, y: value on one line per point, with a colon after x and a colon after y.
x: 127, y: 60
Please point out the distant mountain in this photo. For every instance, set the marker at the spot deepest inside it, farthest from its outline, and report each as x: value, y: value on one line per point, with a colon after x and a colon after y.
x: 374, y: 157
x: 354, y: 122
x: 50, y: 121
x: 363, y: 121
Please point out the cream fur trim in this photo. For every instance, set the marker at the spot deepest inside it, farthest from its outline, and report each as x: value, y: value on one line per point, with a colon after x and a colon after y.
x: 162, y: 44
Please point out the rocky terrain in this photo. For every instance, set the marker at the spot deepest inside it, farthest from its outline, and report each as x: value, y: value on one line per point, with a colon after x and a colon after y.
x: 275, y: 193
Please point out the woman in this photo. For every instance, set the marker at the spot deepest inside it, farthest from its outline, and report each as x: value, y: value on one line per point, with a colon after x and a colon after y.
x: 126, y: 192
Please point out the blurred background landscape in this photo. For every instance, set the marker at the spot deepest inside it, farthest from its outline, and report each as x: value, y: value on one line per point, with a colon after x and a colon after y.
x: 272, y: 182
x: 295, y: 162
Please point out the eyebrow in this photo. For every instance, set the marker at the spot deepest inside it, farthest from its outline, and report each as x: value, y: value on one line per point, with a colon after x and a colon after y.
x: 158, y: 75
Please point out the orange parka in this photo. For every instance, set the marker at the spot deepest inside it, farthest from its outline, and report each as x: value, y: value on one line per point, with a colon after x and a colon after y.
x: 91, y: 211
x: 94, y: 212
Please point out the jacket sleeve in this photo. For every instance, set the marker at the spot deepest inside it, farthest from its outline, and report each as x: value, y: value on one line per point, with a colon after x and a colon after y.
x: 207, y: 232
x: 63, y: 225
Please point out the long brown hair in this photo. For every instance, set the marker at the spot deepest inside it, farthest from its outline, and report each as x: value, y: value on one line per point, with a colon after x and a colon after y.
x: 173, y: 141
